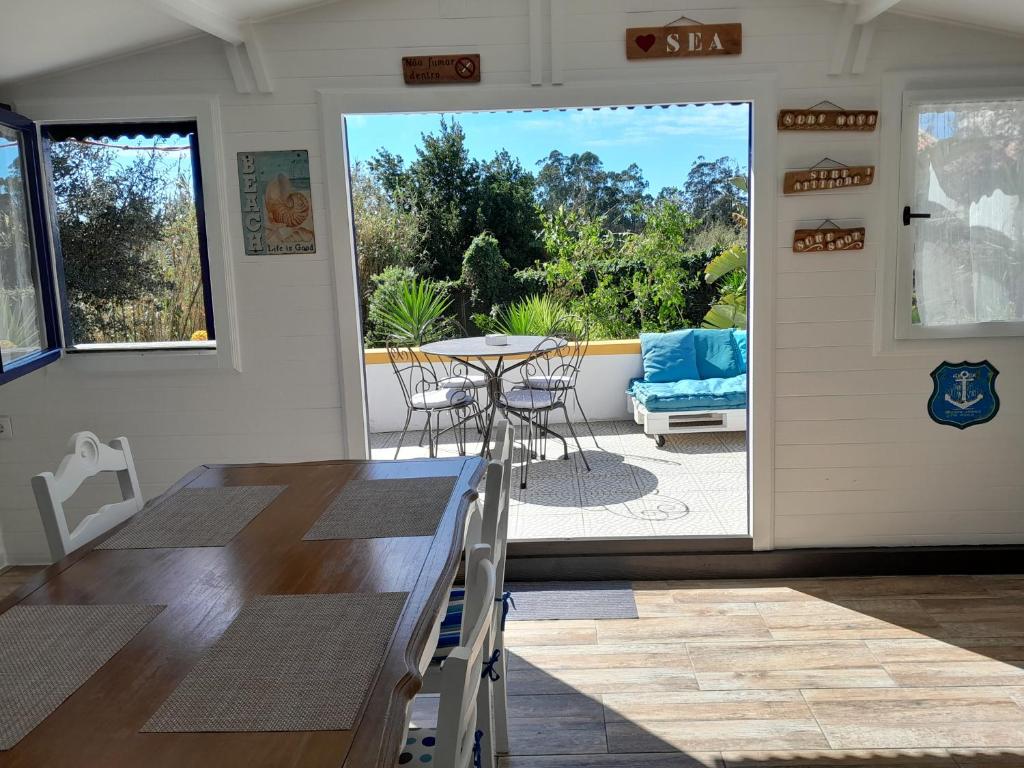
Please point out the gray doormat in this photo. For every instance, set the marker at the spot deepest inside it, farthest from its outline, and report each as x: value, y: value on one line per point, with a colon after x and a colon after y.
x: 553, y: 600
x: 287, y: 663
x: 195, y: 517
x: 382, y: 509
x: 48, y: 651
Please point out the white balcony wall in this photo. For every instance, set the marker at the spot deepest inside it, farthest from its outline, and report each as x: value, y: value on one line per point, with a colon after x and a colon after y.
x: 602, y: 387
x: 854, y: 458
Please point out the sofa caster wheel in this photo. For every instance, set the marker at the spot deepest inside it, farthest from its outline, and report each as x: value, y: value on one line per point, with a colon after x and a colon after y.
x: 659, y: 440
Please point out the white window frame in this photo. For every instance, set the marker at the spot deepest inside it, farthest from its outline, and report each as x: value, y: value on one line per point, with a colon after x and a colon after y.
x: 205, y: 111
x: 902, y: 92
x: 759, y: 89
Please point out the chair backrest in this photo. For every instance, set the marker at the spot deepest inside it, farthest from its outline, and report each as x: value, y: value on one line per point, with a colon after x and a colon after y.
x: 87, y: 457
x: 579, y: 342
x: 553, y: 358
x: 462, y: 672
x: 414, y: 375
x: 499, y: 489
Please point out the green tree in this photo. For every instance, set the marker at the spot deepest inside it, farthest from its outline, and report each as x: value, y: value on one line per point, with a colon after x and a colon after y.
x: 485, y: 274
x: 507, y: 210
x: 580, y: 183
x: 709, y: 193
x: 109, y: 215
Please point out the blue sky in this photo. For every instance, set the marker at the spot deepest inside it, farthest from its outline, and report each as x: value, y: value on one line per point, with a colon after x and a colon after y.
x: 664, y: 142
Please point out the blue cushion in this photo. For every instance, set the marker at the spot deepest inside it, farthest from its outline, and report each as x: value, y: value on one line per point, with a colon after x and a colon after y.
x: 741, y: 345
x: 707, y: 394
x: 718, y: 356
x: 451, y: 624
x: 669, y: 356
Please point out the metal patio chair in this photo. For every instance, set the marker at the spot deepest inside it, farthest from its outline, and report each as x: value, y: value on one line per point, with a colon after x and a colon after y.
x: 423, y: 393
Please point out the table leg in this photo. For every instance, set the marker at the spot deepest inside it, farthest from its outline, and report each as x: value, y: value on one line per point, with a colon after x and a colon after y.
x: 493, y: 393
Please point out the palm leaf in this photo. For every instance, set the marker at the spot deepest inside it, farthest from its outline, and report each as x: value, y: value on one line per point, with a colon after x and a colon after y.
x: 729, y: 312
x: 727, y: 261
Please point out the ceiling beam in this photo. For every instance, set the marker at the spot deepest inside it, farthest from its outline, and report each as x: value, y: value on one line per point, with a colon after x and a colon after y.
x: 871, y: 9
x: 202, y: 18
x: 844, y: 38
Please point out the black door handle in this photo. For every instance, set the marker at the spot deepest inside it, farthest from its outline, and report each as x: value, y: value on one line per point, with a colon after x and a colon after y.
x: 907, y: 216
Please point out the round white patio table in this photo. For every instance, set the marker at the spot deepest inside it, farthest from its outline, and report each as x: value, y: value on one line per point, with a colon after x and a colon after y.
x: 490, y: 360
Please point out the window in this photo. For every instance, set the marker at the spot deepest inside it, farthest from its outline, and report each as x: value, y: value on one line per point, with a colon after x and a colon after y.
x: 28, y: 322
x: 129, y: 232
x: 961, y: 249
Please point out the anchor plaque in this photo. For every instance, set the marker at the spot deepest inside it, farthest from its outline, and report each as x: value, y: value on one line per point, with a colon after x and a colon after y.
x: 964, y: 394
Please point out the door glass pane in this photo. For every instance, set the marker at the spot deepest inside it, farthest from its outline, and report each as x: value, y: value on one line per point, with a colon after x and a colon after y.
x: 969, y: 257
x: 21, y: 315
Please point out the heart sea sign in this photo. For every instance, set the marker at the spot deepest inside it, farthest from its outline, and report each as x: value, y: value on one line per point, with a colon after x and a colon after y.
x: 684, y: 41
x: 964, y: 394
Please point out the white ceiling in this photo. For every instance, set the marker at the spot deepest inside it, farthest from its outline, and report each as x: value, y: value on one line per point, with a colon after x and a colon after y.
x: 42, y: 36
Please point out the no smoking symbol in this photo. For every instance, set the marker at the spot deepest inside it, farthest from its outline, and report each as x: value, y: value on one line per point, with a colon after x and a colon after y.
x: 465, y: 68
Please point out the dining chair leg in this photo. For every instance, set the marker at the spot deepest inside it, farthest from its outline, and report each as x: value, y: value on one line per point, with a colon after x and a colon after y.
x: 572, y: 431
x: 401, y: 439
x: 486, y: 716
x: 499, y: 702
x: 583, y: 413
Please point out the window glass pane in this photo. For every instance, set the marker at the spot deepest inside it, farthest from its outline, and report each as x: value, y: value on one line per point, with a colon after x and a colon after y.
x: 21, y: 315
x: 126, y: 215
x: 969, y: 257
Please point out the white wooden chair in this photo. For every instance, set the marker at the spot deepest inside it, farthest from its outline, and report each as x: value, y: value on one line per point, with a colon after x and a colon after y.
x: 456, y: 742
x: 489, y: 527
x: 88, y: 457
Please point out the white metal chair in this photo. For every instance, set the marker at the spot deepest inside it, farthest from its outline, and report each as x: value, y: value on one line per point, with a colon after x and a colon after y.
x: 550, y: 362
x: 88, y: 457
x: 457, y: 740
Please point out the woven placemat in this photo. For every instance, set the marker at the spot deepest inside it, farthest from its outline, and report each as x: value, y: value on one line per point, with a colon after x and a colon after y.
x: 48, y: 651
x: 287, y: 663
x: 381, y: 509
x: 195, y: 517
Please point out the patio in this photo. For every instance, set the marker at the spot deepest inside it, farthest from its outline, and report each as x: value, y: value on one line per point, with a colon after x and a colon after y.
x: 694, y: 486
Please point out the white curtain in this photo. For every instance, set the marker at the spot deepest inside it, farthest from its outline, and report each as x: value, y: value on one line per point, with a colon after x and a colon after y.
x: 969, y: 257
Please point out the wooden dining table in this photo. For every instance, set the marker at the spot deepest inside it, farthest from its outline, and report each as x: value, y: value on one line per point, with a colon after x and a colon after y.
x: 203, y: 589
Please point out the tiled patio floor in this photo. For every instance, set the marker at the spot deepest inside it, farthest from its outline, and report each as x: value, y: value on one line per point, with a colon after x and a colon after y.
x: 694, y: 486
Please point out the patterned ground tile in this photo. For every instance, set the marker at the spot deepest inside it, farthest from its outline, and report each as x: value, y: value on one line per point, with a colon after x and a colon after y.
x: 694, y: 486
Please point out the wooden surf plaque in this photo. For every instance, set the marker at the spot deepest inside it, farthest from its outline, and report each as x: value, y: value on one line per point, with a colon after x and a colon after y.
x: 836, y: 239
x: 442, y: 68
x: 827, y: 179
x: 828, y: 119
x: 684, y: 41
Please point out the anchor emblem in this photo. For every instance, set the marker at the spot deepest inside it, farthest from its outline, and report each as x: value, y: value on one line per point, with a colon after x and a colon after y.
x: 963, y: 380
x: 964, y: 394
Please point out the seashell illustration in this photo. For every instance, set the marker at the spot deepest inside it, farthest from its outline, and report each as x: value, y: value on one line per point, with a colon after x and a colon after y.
x: 285, y: 207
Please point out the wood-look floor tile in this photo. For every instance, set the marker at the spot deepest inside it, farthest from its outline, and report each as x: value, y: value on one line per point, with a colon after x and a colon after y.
x: 786, y: 664
x: 1001, y: 584
x: 988, y: 758
x: 706, y: 705
x: 557, y: 736
x: 944, y: 673
x: 682, y: 629
x: 707, y: 735
x: 854, y: 619
x: 571, y: 705
x: 616, y: 656
x: 918, y: 717
x: 913, y: 706
x: 917, y: 758
x: 575, y: 632
x: 597, y: 681
x: 655, y: 604
x: 736, y: 590
x: 979, y: 617
x: 959, y: 650
x: 678, y: 760
x: 926, y: 587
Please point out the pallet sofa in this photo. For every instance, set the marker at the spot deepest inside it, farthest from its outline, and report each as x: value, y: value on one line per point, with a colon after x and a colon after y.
x: 694, y: 381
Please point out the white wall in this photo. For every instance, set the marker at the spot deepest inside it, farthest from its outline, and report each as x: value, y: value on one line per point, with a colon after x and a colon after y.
x: 857, y: 460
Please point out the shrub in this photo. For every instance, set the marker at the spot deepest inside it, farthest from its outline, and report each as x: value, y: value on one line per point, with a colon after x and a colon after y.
x: 406, y: 309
